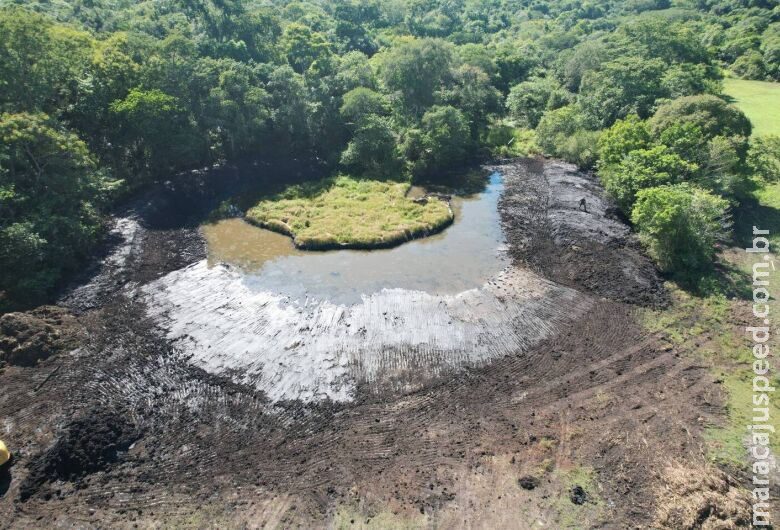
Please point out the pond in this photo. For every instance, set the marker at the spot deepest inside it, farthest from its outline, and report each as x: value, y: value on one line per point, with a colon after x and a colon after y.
x: 462, y: 257
x: 313, y: 326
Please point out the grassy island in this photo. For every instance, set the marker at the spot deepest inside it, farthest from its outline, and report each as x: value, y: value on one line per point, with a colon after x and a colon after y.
x: 343, y: 212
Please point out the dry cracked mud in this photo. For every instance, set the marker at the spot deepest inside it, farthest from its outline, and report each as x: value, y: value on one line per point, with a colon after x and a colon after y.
x: 196, y: 399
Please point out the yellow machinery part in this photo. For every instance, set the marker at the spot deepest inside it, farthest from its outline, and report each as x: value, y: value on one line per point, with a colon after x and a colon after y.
x: 5, y: 454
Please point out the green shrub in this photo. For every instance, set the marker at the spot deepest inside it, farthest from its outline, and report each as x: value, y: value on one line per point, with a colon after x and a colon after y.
x: 507, y: 141
x: 557, y: 124
x: 580, y: 148
x: 681, y: 225
x: 763, y: 157
x: 623, y: 137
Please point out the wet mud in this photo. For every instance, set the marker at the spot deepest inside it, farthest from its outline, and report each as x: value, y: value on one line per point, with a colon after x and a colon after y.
x: 198, y: 399
x: 591, y: 250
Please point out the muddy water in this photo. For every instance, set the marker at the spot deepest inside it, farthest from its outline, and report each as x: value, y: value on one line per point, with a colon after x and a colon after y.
x: 461, y: 257
x: 318, y: 326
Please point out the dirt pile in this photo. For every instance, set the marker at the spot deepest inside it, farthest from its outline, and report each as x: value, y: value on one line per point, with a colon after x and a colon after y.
x: 88, y: 444
x: 591, y: 250
x: 27, y: 338
x: 701, y: 497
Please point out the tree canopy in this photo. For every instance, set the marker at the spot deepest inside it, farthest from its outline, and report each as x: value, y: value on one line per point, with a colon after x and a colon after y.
x: 404, y: 89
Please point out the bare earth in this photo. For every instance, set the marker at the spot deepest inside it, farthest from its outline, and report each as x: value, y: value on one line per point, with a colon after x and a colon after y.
x: 193, y: 401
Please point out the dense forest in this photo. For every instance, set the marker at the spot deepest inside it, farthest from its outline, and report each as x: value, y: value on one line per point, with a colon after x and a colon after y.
x: 99, y: 98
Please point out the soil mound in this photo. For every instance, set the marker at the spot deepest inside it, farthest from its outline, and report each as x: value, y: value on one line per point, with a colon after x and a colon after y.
x: 88, y: 444
x: 27, y: 338
x: 589, y: 249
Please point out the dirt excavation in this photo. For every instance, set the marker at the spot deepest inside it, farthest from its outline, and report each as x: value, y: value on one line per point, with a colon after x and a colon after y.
x: 167, y: 390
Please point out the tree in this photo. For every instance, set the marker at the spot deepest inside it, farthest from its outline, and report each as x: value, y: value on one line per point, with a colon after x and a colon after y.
x: 691, y: 124
x: 750, y: 65
x: 644, y: 168
x: 442, y: 142
x: 353, y: 22
x: 40, y: 63
x: 362, y: 103
x: 291, y: 109
x: 303, y: 47
x: 673, y: 43
x: 711, y: 114
x: 515, y: 61
x: 680, y: 224
x: 155, y: 132
x: 480, y: 57
x: 49, y: 188
x: 627, y: 85
x: 587, y: 57
x: 426, y: 18
x: 237, y: 109
x: 686, y: 139
x: 764, y: 157
x: 472, y: 93
x: 372, y: 150
x: 687, y: 79
x: 447, y: 138
x: 416, y: 70
x: 527, y: 101
x: 355, y: 71
x: 559, y: 124
x: 623, y: 137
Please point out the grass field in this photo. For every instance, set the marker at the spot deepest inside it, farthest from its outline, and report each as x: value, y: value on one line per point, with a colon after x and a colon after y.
x: 343, y: 212
x: 712, y: 325
x: 760, y: 100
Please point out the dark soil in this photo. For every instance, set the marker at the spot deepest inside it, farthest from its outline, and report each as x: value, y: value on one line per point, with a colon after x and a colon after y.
x: 578, y: 495
x: 528, y: 482
x: 593, y: 250
x: 86, y: 445
x: 131, y: 434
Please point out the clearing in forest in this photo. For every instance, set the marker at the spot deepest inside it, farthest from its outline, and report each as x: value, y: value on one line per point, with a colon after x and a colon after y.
x: 759, y: 100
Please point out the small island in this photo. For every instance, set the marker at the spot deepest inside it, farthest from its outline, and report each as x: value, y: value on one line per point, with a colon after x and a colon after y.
x: 345, y: 212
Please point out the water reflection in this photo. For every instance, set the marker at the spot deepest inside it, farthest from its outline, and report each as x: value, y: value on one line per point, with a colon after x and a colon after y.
x: 461, y: 257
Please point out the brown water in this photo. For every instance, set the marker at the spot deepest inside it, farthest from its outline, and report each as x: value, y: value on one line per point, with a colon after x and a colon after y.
x: 461, y: 257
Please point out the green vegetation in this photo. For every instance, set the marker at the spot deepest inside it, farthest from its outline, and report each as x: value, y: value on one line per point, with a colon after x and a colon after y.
x: 505, y: 140
x: 350, y: 518
x: 700, y: 322
x: 575, y: 516
x: 727, y: 441
x: 759, y: 100
x: 680, y: 225
x: 347, y: 213
x: 677, y: 174
x: 408, y: 89
x: 49, y: 194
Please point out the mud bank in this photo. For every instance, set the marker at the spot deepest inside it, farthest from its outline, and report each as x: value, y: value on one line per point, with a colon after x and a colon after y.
x: 316, y: 349
x: 592, y: 251
x: 405, y: 405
